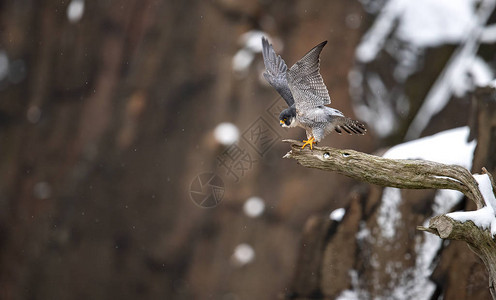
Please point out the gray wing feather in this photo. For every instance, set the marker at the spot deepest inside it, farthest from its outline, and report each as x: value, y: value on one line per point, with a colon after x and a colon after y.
x: 275, y: 71
x: 306, y: 83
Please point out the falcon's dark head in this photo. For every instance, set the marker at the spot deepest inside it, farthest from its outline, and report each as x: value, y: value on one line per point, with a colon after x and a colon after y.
x: 287, y: 118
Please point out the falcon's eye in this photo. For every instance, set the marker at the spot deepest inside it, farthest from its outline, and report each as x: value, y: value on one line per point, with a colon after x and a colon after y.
x: 285, y: 119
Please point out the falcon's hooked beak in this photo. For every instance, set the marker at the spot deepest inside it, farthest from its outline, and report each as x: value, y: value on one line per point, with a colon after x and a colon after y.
x: 281, y: 122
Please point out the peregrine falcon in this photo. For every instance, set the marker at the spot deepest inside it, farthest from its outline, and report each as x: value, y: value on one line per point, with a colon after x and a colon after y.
x: 303, y: 89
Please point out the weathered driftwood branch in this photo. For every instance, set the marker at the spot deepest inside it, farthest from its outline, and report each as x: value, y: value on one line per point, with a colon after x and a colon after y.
x: 411, y: 174
x: 398, y: 173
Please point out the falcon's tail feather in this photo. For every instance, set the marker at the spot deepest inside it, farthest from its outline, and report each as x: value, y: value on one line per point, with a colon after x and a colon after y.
x: 350, y: 126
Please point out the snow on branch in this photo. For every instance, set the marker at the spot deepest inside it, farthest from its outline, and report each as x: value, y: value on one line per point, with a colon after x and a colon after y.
x: 484, y: 217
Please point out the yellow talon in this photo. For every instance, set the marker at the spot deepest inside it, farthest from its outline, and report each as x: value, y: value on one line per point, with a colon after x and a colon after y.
x: 309, y: 142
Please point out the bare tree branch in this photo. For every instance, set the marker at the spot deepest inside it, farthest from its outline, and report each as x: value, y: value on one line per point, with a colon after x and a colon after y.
x: 398, y: 173
x: 411, y: 174
x: 480, y: 241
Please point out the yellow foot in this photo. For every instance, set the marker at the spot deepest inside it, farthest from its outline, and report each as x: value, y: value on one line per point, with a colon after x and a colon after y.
x: 309, y: 142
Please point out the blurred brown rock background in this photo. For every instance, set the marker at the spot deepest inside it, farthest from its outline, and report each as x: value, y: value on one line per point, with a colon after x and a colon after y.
x: 107, y: 115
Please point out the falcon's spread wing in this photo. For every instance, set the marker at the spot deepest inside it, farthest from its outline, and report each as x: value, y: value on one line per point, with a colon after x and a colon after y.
x: 275, y: 72
x: 306, y: 83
